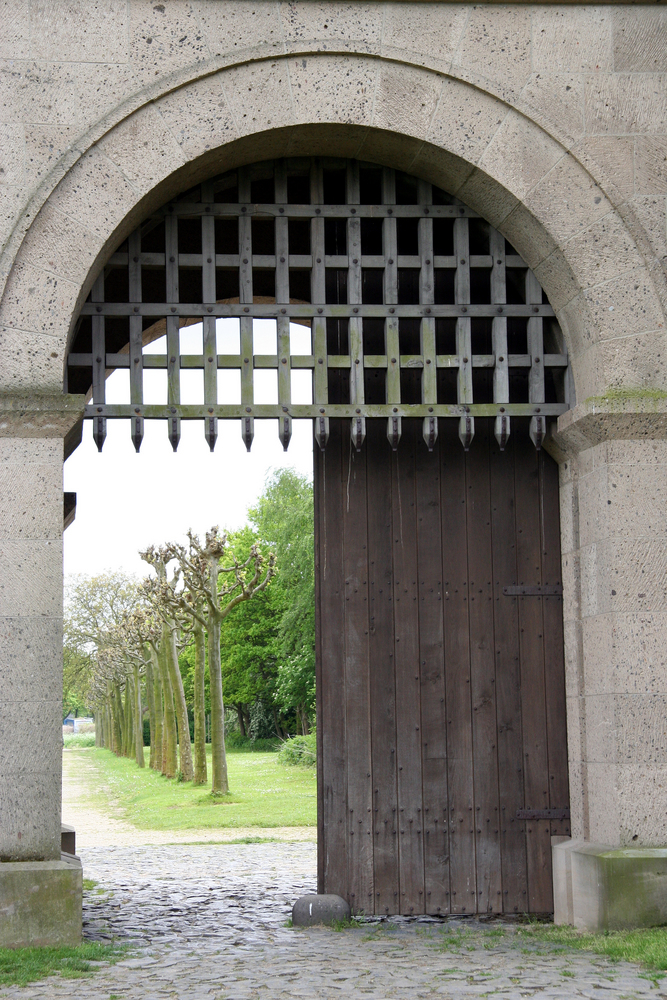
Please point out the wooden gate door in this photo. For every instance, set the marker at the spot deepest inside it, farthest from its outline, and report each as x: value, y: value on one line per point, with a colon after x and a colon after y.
x: 441, y: 701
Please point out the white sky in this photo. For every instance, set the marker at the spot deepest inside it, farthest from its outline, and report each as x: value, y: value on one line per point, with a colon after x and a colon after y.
x: 127, y: 501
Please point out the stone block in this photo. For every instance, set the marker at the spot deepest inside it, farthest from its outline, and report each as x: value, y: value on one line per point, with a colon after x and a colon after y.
x: 625, y: 103
x: 343, y: 26
x: 555, y: 99
x: 603, y: 251
x: 145, y: 149
x: 37, y: 301
x: 198, y: 116
x: 12, y: 154
x: 32, y: 500
x: 574, y: 42
x: 332, y: 89
x: 31, y: 658
x: 430, y: 32
x: 164, y: 37
x: 30, y: 360
x: 558, y: 279
x: 651, y: 164
x: 59, y: 244
x: 496, y: 47
x: 518, y: 157
x: 229, y: 29
x: 259, y: 96
x: 308, y: 911
x: 70, y: 31
x: 483, y: 193
x: 465, y: 121
x: 31, y: 581
x: 40, y: 903
x: 640, y: 39
x: 14, y: 30
x: 527, y: 235
x: 405, y: 101
x: 569, y: 198
x: 30, y: 805
x: 598, y: 888
x: 611, y: 159
x: 96, y: 193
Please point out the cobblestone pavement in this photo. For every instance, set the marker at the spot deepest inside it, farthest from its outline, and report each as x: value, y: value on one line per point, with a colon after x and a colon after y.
x: 210, y: 923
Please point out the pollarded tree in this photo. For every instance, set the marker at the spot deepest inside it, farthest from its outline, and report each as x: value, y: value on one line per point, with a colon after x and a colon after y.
x: 162, y: 595
x: 223, y: 588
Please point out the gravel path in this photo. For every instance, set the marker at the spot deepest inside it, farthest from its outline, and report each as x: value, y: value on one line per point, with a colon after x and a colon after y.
x: 209, y: 922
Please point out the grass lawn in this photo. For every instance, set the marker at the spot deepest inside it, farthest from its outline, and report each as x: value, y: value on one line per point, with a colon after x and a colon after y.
x: 19, y: 966
x: 264, y: 793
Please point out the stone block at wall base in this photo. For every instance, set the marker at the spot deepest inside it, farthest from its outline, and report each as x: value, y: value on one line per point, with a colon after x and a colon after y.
x: 40, y: 903
x: 598, y: 888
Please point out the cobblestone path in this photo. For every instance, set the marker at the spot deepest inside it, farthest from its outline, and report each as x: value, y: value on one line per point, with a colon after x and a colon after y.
x: 210, y: 923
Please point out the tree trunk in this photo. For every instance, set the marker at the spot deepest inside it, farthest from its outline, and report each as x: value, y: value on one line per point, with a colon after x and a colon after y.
x: 138, y: 721
x: 150, y: 699
x: 276, y: 723
x: 220, y: 781
x: 128, y: 740
x: 119, y: 722
x: 239, y: 712
x: 159, y: 711
x: 305, y: 725
x: 200, y: 704
x: 185, y: 746
x: 169, y: 754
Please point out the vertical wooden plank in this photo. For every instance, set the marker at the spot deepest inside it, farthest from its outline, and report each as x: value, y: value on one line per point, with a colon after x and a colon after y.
x: 533, y: 694
x: 354, y: 297
x: 357, y: 684
x: 457, y: 670
x: 329, y: 494
x: 208, y: 297
x: 554, y: 666
x: 136, y: 339
x: 246, y: 296
x: 318, y: 536
x: 282, y: 298
x: 426, y: 297
x: 482, y: 675
x: 99, y: 362
x: 501, y: 389
x: 463, y: 329
x: 382, y: 676
x: 432, y: 674
x: 173, y: 348
x: 508, y: 680
x: 406, y: 657
x: 318, y: 298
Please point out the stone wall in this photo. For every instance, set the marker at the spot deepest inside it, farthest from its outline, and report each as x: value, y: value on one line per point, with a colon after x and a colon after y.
x: 551, y: 121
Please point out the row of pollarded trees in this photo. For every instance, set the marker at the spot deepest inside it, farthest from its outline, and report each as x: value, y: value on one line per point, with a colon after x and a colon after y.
x: 136, y: 639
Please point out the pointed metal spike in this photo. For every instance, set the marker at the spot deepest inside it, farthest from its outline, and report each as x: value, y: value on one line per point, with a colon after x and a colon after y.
x: 358, y: 432
x: 211, y: 431
x: 174, y: 432
x: 285, y: 431
x: 248, y: 431
x: 137, y: 432
x: 466, y: 431
x: 502, y: 430
x: 99, y: 432
x: 538, y: 430
x: 430, y: 431
x: 322, y: 431
x: 394, y: 432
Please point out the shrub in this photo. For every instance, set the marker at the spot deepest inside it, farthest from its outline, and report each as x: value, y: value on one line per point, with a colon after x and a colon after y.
x: 236, y: 743
x: 78, y: 741
x: 299, y: 751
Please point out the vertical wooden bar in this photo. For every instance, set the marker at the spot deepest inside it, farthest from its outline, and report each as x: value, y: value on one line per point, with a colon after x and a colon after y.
x: 331, y: 469
x: 392, y: 345
x: 382, y: 676
x: 408, y: 689
x: 354, y: 298
x: 282, y: 298
x: 99, y: 362
x: 208, y: 296
x: 318, y: 298
x: 457, y: 670
x: 463, y: 332
x: 427, y: 298
x: 246, y: 296
x: 533, y: 693
x: 357, y: 685
x: 508, y: 681
x: 173, y: 346
x: 136, y: 340
x: 483, y: 676
x: 536, y: 352
x: 552, y: 631
x: 501, y: 386
x: 432, y: 673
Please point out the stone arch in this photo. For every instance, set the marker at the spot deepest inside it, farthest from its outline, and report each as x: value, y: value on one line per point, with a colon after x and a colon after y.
x: 459, y: 137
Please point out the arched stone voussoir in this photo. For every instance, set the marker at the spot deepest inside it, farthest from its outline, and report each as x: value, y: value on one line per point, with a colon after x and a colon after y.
x: 451, y: 133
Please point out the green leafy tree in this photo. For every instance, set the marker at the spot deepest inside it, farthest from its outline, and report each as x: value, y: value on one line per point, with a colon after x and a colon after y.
x: 283, y: 516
